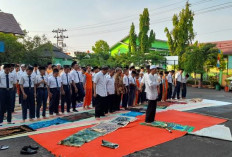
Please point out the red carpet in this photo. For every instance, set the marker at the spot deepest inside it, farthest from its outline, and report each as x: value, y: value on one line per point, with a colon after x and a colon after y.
x: 133, y: 137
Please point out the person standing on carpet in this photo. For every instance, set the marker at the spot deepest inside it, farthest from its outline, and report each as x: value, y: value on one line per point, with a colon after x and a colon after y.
x: 170, y: 83
x: 137, y: 91
x: 88, y: 88
x: 54, y: 85
x: 95, y: 71
x: 28, y: 88
x: 76, y: 85
x: 142, y: 84
x: 177, y: 83
x: 165, y: 86
x: 66, y: 90
x: 100, y: 92
x: 7, y: 84
x: 119, y: 88
x: 132, y: 88
x: 126, y: 88
x: 110, y: 91
x: 160, y: 77
x: 151, y: 83
x: 42, y: 92
x: 184, y: 89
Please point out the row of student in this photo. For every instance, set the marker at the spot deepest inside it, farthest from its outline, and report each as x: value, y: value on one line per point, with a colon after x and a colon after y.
x: 70, y: 87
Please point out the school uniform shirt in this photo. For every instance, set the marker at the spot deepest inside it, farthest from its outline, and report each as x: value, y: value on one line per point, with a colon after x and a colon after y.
x: 93, y: 74
x: 36, y: 72
x: 52, y: 82
x: 126, y: 80
x: 75, y: 76
x: 20, y: 74
x: 169, y: 78
x: 15, y: 75
x: 100, y: 80
x: 110, y: 85
x: 3, y: 81
x: 144, y: 78
x: 151, y: 87
x: 39, y: 78
x: 131, y: 80
x: 178, y: 77
x: 24, y: 80
x: 184, y: 79
x: 66, y: 79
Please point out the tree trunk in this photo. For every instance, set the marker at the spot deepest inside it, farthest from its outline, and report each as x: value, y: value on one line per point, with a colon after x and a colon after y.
x: 195, y: 78
x: 200, y: 82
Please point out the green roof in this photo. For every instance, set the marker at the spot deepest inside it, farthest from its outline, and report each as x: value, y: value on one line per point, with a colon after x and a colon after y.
x: 122, y: 46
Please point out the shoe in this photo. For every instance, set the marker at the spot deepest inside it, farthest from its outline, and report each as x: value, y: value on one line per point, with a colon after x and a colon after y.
x: 33, y: 147
x: 27, y: 150
x: 4, y: 147
x: 75, y: 110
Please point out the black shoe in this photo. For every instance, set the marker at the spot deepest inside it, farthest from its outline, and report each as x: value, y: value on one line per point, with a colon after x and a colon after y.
x: 75, y: 110
x: 33, y: 147
x: 27, y: 150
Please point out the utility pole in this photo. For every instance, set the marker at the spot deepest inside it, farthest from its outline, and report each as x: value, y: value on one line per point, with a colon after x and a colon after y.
x: 60, y: 37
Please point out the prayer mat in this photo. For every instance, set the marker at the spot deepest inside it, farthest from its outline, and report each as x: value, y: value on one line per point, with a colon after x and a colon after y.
x: 129, y: 137
x: 15, y: 130
x: 171, y: 126
x: 122, y: 120
x: 78, y: 116
x: 106, y: 127
x: 132, y: 114
x: 81, y: 137
x: 136, y: 109
x: 168, y: 103
x: 109, y: 144
x: 161, y: 107
x: 47, y: 123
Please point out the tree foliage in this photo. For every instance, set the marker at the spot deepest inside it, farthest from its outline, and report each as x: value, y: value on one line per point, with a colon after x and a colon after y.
x: 101, y: 47
x: 132, y: 39
x: 182, y: 34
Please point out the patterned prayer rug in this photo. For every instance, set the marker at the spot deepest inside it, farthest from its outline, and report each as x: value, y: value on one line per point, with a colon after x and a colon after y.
x: 43, y: 124
x: 15, y: 130
x: 78, y: 116
x: 81, y: 137
x: 132, y: 114
x: 106, y: 127
x: 172, y: 126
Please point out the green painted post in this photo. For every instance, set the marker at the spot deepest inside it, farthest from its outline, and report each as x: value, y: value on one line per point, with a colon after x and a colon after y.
x: 220, y: 77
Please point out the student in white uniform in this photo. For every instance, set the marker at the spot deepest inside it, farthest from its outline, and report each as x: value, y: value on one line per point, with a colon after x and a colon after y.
x: 66, y: 89
x: 7, y: 85
x: 95, y: 71
x: 28, y: 88
x: 126, y: 86
x: 170, y: 83
x: 110, y: 92
x: 184, y: 88
x: 132, y: 87
x: 177, y: 83
x: 54, y: 84
x: 42, y: 92
x: 151, y: 84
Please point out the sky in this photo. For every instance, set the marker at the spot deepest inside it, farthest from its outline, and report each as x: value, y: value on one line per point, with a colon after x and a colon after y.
x: 87, y: 21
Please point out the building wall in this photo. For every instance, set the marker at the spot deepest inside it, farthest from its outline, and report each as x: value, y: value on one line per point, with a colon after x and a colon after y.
x: 123, y: 48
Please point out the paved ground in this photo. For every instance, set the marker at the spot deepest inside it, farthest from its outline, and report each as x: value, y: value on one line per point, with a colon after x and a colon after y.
x: 187, y: 146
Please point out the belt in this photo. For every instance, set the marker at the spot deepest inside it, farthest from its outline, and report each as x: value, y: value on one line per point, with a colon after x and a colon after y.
x: 8, y: 89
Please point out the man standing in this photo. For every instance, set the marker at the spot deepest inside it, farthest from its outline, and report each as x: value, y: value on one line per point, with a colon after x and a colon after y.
x: 126, y: 86
x: 7, y: 85
x: 132, y: 87
x: 100, y: 92
x: 88, y: 88
x: 42, y: 92
x: 110, y: 91
x: 151, y: 83
x: 170, y: 83
x: 177, y: 83
x: 66, y: 88
x: 28, y: 88
x: 95, y: 71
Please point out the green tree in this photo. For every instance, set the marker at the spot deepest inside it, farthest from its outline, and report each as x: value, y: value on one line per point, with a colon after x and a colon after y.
x: 35, y: 48
x: 199, y: 57
x: 132, y: 39
x: 144, y: 23
x: 182, y: 34
x: 13, y: 49
x: 101, y: 47
x: 151, y: 38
